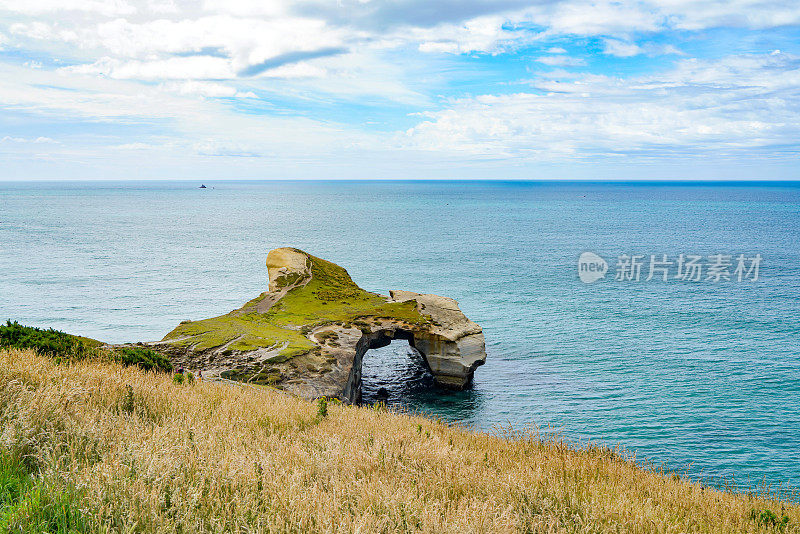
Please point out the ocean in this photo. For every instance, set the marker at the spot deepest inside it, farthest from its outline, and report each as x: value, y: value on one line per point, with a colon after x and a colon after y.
x: 700, y: 376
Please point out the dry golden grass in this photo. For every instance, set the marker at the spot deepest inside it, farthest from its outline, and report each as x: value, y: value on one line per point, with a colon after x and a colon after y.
x: 213, y: 457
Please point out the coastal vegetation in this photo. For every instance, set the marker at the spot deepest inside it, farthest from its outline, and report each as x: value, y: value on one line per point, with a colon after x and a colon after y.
x: 67, y: 347
x: 92, y: 445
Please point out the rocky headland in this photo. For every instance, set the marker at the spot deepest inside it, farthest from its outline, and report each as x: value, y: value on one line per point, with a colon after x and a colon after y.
x: 308, y: 333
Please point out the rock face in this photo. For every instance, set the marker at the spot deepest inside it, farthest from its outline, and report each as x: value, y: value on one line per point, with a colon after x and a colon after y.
x: 309, y: 332
x: 287, y: 267
x: 453, y: 346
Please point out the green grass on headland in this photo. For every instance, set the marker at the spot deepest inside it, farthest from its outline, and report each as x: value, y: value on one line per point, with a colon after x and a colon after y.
x: 66, y: 347
x: 330, y: 296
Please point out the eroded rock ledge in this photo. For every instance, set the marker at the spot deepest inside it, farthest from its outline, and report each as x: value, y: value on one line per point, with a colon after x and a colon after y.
x: 308, y: 333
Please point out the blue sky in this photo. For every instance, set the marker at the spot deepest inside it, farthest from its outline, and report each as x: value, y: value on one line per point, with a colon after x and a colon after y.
x: 232, y: 89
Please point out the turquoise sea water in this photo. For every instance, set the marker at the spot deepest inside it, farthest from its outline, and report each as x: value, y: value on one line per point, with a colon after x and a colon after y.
x: 702, y: 375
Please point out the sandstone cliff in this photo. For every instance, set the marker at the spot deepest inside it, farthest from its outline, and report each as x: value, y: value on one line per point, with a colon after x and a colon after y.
x: 308, y: 333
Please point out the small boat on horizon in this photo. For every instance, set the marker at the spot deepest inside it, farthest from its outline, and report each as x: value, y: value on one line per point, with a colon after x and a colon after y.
x: 203, y: 186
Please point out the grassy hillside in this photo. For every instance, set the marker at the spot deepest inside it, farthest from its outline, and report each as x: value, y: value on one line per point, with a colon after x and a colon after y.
x: 94, y: 446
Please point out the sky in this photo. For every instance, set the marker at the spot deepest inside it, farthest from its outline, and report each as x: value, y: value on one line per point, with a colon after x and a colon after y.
x: 390, y: 89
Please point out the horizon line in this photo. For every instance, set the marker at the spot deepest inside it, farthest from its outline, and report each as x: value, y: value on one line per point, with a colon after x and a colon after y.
x: 219, y: 181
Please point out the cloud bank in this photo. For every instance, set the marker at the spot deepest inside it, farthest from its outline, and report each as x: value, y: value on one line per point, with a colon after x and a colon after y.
x: 442, y: 86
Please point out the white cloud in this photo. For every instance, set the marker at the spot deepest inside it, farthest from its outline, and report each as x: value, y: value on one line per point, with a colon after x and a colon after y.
x: 247, y: 8
x: 39, y: 7
x: 218, y: 47
x: 173, y: 68
x: 162, y: 7
x: 43, y: 32
x: 620, y: 48
x: 226, y: 148
x: 177, y: 63
x: 700, y: 107
x: 163, y: 39
x: 482, y: 34
x: 445, y: 47
x: 203, y: 126
x: 248, y: 41
x: 690, y: 15
x: 134, y: 146
x: 296, y: 70
x: 207, y: 89
x: 36, y: 140
x: 607, y: 17
x: 561, y: 61
x: 593, y: 18
x: 615, y: 47
x: 187, y: 68
x: 264, y: 29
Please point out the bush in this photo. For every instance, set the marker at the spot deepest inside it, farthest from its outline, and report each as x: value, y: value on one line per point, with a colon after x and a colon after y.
x: 66, y: 347
x: 145, y: 358
x: 769, y: 519
x: 177, y: 378
x: 49, y: 342
x: 322, y: 407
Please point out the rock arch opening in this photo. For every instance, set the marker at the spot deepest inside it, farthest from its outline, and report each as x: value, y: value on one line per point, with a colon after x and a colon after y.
x: 393, y: 371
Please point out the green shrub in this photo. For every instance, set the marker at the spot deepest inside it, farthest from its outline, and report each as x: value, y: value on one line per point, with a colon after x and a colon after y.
x: 66, y: 347
x: 322, y: 407
x: 266, y: 378
x: 49, y: 342
x: 769, y: 519
x: 178, y: 378
x: 145, y: 358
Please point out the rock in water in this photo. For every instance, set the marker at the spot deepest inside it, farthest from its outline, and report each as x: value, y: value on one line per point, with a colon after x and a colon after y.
x: 308, y: 333
x: 453, y: 346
